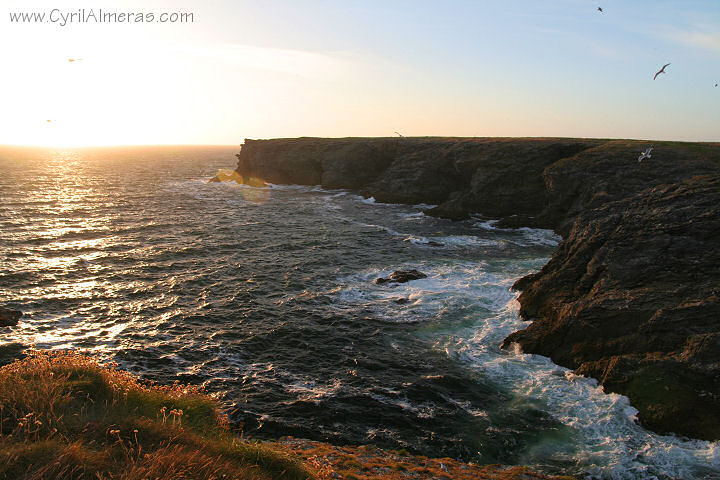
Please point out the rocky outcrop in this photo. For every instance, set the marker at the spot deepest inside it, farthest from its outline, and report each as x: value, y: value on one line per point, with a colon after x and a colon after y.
x: 632, y: 298
x: 498, y: 177
x: 401, y: 276
x: 632, y: 295
x: 611, y: 171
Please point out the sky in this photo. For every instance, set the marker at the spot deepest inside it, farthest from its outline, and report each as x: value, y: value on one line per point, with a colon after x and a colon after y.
x: 335, y: 68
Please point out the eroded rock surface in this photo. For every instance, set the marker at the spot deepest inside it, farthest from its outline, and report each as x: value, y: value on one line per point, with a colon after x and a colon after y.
x: 401, y: 276
x: 632, y: 298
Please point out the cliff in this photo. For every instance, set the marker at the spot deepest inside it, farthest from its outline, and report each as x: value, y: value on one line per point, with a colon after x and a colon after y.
x: 631, y: 297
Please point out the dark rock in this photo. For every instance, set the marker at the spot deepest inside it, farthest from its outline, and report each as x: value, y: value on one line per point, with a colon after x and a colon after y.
x: 401, y: 301
x: 9, y: 317
x: 609, y: 172
x: 332, y: 163
x: 505, y: 175
x: 629, y: 299
x: 401, y: 276
x: 497, y: 177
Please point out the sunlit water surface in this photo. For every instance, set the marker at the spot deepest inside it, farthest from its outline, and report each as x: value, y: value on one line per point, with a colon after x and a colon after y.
x: 267, y: 297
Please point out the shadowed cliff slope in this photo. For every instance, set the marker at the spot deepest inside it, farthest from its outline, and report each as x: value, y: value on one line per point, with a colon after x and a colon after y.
x: 631, y: 296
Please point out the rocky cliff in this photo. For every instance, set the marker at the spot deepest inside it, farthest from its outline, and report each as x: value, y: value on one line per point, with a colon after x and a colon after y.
x: 631, y: 297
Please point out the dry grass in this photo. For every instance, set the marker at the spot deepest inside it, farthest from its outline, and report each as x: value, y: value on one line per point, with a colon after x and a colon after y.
x: 66, y: 416
x: 372, y: 463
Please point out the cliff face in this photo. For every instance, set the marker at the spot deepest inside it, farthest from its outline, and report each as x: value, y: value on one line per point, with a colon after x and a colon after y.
x: 498, y: 177
x: 631, y: 297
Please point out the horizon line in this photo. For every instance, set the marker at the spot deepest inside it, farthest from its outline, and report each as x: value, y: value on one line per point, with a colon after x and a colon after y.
x: 229, y: 145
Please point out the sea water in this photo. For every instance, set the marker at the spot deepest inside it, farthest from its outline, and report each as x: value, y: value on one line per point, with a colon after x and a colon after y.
x: 267, y: 297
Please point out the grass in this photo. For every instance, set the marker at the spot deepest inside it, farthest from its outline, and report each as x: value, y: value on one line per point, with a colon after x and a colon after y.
x: 67, y: 416
x: 367, y: 462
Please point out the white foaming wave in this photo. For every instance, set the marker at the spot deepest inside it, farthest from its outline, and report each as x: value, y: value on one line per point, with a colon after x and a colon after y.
x: 372, y: 201
x: 308, y: 390
x: 487, y: 224
x: 606, y: 441
x: 451, y: 241
x: 611, y: 444
x: 469, y: 241
x: 412, y: 215
x: 423, y: 410
x: 389, y: 230
x: 302, y: 388
x: 539, y: 236
x: 528, y: 236
x: 466, y: 406
x: 455, y: 241
x: 457, y: 284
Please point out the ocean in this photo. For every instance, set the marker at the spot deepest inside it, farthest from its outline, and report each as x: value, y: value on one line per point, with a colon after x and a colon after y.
x: 267, y: 297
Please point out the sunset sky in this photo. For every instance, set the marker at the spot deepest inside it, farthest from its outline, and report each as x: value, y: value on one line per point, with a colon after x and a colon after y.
x: 270, y: 68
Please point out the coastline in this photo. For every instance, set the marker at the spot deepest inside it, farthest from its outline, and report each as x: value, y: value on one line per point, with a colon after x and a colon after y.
x: 627, y: 298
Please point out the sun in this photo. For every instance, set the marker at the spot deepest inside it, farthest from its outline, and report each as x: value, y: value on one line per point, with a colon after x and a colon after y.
x: 61, y: 90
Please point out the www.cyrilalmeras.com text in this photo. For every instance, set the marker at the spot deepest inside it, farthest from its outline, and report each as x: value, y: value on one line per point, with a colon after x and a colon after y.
x: 91, y: 15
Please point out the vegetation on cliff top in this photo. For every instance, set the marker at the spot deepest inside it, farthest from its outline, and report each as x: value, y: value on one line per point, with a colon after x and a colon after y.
x: 65, y: 416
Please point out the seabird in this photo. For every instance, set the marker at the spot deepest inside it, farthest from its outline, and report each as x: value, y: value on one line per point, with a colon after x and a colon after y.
x: 662, y: 70
x: 645, y: 154
x: 600, y: 9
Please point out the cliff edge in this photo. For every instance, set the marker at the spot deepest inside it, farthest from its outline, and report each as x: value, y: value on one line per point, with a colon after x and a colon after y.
x: 632, y: 295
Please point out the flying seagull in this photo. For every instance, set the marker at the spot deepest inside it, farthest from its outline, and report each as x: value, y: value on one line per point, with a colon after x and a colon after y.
x: 662, y: 70
x: 645, y: 154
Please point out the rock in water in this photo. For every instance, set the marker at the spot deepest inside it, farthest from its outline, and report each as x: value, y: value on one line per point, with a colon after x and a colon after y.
x: 401, y: 276
x: 9, y: 318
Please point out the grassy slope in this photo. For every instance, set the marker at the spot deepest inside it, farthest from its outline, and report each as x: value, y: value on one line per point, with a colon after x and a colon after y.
x: 64, y: 416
